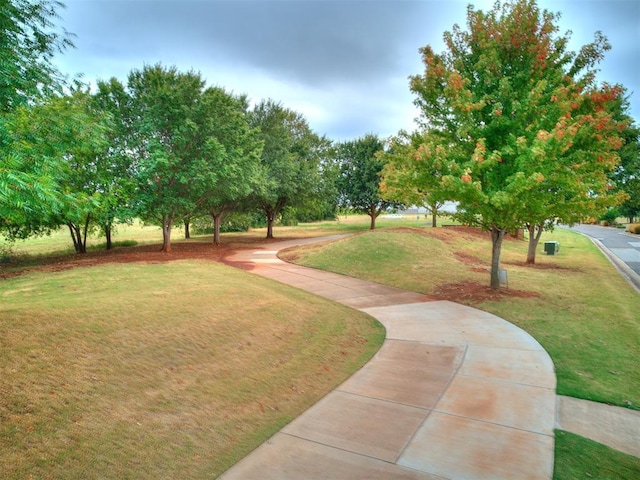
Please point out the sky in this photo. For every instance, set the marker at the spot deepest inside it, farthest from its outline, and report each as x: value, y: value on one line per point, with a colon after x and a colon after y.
x: 343, y: 64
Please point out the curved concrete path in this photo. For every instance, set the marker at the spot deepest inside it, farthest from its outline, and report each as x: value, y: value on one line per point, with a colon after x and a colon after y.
x: 454, y: 393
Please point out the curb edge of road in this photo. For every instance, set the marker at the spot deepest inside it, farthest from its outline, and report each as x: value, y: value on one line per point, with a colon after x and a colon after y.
x: 629, y: 275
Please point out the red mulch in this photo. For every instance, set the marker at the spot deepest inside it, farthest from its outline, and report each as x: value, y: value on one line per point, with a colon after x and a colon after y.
x: 143, y: 253
x: 470, y: 292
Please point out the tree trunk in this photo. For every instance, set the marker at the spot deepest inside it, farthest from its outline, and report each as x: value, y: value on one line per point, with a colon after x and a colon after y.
x: 187, y: 234
x: 217, y: 219
x: 272, y: 212
x: 75, y: 236
x: 167, y: 225
x: 84, y: 236
x: 497, y: 235
x: 270, y: 226
x: 79, y: 240
x: 107, y: 234
x: 434, y: 216
x: 535, y: 232
x: 373, y: 215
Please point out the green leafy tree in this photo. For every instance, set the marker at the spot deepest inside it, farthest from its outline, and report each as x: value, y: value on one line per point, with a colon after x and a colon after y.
x: 116, y: 165
x: 289, y: 160
x: 627, y: 174
x: 583, y: 146
x: 85, y: 175
x: 414, y: 166
x: 60, y: 137
x: 323, y: 205
x: 28, y: 42
x: 515, y: 109
x: 235, y: 158
x: 172, y: 150
x: 360, y: 174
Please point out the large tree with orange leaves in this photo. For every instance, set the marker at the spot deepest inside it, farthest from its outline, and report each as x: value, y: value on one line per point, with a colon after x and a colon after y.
x: 528, y: 134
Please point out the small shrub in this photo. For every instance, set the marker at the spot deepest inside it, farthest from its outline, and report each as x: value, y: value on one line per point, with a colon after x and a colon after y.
x: 604, y: 223
x: 633, y: 228
x: 610, y: 216
x: 237, y: 222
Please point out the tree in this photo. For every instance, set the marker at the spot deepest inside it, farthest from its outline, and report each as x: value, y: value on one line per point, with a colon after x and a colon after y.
x: 627, y: 174
x: 360, y: 174
x: 172, y: 150
x: 236, y: 163
x: 116, y: 165
x: 289, y: 160
x: 414, y: 166
x: 28, y: 42
x: 577, y: 183
x: 515, y: 109
x: 60, y: 138
x: 85, y: 174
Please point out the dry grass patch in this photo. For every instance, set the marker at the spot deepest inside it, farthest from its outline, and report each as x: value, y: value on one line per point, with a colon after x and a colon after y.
x: 171, y: 370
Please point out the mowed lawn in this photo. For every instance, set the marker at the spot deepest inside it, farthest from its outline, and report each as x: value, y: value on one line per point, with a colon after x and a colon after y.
x: 575, y: 303
x: 171, y: 370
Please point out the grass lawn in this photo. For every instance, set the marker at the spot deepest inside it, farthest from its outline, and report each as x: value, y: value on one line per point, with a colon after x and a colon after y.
x: 575, y: 304
x: 171, y: 370
x: 578, y: 458
x: 147, y: 371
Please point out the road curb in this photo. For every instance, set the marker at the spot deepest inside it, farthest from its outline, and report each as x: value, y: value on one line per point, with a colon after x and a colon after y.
x: 627, y: 273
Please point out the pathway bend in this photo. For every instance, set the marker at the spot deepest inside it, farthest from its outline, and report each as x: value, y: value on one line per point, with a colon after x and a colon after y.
x: 453, y: 393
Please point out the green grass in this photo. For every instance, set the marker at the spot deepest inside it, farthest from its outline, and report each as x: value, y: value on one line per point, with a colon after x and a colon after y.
x: 584, y: 314
x: 141, y: 330
x: 577, y: 458
x: 172, y: 370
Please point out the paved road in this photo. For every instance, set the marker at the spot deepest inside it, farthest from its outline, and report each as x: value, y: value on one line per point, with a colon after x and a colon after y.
x: 623, y: 245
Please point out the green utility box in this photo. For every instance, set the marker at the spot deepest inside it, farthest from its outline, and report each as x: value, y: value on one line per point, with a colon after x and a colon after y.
x: 551, y: 248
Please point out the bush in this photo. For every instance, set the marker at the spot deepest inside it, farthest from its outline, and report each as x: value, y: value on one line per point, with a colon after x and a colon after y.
x: 610, y: 216
x: 633, y: 228
x: 234, y: 222
x: 237, y: 222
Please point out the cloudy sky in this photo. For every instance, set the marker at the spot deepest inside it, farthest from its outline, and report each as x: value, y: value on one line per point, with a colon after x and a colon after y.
x: 342, y: 63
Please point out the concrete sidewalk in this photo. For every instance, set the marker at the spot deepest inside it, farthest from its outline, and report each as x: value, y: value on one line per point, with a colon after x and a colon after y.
x: 454, y: 393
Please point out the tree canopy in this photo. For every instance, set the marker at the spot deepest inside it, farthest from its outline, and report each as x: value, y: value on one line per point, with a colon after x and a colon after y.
x: 360, y: 174
x: 289, y: 161
x: 414, y: 166
x: 28, y: 41
x: 170, y: 145
x: 521, y: 119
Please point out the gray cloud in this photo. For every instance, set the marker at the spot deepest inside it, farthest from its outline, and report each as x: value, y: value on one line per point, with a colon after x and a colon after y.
x: 312, y: 42
x: 342, y: 63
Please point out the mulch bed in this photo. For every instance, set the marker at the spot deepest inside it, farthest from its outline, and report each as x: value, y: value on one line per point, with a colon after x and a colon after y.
x: 142, y: 253
x: 469, y: 292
